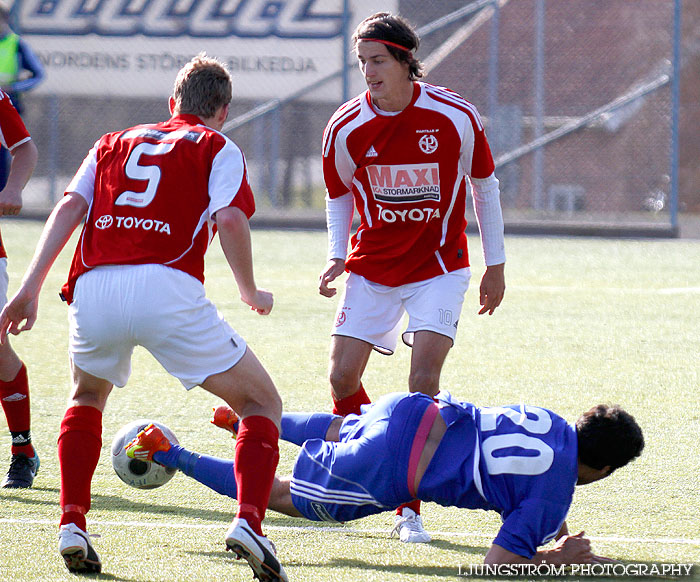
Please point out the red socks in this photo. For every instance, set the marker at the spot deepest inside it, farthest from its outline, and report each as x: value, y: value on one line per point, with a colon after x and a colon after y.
x: 257, y: 454
x: 79, y: 444
x: 15, y: 403
x: 351, y: 404
x: 414, y: 505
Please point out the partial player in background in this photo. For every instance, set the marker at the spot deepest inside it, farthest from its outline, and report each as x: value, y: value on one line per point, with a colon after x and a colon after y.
x: 14, y: 384
x: 405, y: 155
x: 522, y: 461
x: 20, y: 71
x: 152, y: 197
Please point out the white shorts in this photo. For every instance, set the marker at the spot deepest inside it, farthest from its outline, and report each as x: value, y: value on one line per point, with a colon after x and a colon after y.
x: 162, y: 309
x: 373, y: 313
x: 4, y: 281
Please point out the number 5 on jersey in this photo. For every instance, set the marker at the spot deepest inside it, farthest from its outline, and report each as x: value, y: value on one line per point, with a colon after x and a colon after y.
x: 150, y: 174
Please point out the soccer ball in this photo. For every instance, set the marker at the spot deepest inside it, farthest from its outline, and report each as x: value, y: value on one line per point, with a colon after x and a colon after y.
x: 136, y: 473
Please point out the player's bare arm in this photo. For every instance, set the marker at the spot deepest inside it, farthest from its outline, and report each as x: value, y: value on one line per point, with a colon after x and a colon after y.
x: 24, y: 158
x: 333, y: 269
x: 64, y: 219
x: 492, y: 289
x: 568, y: 550
x: 234, y: 234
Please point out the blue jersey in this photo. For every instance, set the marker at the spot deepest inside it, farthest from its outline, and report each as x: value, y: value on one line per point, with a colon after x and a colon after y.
x: 518, y: 460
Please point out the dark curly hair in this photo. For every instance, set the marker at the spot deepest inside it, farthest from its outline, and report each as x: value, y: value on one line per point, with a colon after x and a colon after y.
x: 391, y: 28
x: 608, y: 436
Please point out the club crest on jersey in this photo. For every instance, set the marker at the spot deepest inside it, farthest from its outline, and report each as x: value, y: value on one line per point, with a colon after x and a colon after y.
x: 404, y: 182
x: 428, y: 143
x: 106, y: 221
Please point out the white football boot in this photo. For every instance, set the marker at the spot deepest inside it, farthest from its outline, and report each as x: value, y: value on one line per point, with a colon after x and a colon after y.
x: 409, y: 527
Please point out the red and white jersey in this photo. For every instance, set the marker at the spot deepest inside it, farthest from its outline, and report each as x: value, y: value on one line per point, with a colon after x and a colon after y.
x: 12, y: 133
x: 152, y: 191
x: 12, y: 129
x: 408, y: 175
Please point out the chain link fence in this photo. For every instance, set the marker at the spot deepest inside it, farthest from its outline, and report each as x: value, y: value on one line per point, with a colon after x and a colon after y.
x: 577, y: 97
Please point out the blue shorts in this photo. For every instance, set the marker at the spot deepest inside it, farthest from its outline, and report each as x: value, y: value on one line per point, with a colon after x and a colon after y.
x: 367, y: 471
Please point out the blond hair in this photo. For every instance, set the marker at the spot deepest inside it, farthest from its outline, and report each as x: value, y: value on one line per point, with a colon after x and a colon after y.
x: 202, y: 86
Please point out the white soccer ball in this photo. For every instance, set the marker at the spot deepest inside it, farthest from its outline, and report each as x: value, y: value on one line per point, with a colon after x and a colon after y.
x: 136, y: 473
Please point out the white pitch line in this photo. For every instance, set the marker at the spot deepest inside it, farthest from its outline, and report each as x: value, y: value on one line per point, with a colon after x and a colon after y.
x: 339, y: 528
x: 622, y: 290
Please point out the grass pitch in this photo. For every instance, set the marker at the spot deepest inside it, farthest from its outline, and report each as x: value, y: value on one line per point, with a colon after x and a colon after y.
x: 584, y: 321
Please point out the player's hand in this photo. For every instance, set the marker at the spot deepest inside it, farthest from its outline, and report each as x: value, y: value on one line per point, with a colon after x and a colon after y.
x: 10, y: 202
x: 20, y: 309
x: 261, y: 302
x: 492, y: 289
x: 574, y: 549
x: 334, y: 268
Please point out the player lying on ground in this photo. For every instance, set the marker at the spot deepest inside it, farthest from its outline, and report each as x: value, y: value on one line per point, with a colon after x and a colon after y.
x: 522, y: 461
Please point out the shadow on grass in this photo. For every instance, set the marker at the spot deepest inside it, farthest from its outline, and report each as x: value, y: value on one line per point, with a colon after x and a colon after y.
x: 25, y: 495
x: 346, y: 564
x: 118, y: 503
x: 406, y: 569
x: 106, y: 576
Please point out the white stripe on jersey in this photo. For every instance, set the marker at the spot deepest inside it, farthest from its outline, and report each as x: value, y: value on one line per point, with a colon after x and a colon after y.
x: 440, y: 92
x: 455, y: 191
x: 19, y: 143
x: 476, y: 473
x: 363, y: 194
x: 442, y: 263
x: 338, y: 118
x: 200, y: 224
x: 314, y: 492
x: 340, y: 493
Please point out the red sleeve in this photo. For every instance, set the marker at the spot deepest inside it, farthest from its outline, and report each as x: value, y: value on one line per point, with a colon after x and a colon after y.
x: 482, y: 160
x: 338, y: 168
x: 12, y: 129
x: 244, y: 199
x: 334, y: 185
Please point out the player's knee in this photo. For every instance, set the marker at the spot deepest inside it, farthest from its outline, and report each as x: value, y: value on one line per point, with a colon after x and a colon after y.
x: 424, y: 381
x: 266, y: 402
x: 343, y: 383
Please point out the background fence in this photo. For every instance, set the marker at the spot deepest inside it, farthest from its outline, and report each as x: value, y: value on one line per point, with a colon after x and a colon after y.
x: 579, y: 98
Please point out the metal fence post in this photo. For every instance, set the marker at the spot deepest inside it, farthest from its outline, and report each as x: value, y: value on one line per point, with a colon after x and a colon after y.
x: 675, y: 107
x: 53, y: 148
x: 538, y: 157
x: 493, y: 61
x: 346, y: 50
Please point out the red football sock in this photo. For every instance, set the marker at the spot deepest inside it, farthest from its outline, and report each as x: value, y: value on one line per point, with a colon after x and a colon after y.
x: 15, y: 402
x: 257, y: 454
x: 414, y: 505
x: 79, y: 444
x: 351, y: 404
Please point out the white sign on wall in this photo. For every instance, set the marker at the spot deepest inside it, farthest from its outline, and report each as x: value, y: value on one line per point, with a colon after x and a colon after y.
x: 134, y: 48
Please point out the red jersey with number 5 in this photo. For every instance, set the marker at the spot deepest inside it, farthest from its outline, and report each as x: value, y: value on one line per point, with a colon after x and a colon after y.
x: 407, y: 172
x: 12, y: 133
x: 152, y: 191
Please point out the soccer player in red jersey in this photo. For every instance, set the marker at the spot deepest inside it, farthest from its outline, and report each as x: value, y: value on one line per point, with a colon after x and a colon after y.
x: 406, y: 155
x: 152, y: 197
x: 14, y: 385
